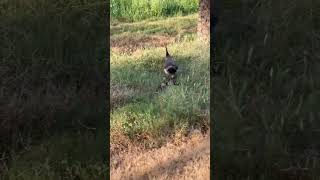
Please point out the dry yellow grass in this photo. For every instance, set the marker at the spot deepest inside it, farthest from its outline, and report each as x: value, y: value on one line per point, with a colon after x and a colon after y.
x: 129, y: 45
x: 187, y: 160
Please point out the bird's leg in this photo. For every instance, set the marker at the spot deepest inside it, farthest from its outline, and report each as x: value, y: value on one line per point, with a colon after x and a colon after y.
x: 168, y: 79
x: 174, y: 80
x: 165, y: 81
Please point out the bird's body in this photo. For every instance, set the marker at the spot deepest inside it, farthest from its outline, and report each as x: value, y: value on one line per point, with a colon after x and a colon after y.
x: 170, y: 67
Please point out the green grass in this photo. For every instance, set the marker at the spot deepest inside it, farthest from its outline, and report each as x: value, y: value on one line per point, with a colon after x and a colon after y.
x: 138, y: 109
x: 60, y: 157
x: 52, y: 64
x: 136, y: 10
x: 267, y: 97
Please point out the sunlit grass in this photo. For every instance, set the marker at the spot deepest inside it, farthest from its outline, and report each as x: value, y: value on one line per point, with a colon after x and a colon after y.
x: 134, y: 10
x: 148, y: 113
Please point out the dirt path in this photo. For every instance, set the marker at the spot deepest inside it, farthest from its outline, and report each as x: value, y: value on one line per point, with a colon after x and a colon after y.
x: 188, y: 160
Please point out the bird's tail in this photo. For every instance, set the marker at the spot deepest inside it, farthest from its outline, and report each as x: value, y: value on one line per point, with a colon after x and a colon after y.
x: 167, y: 54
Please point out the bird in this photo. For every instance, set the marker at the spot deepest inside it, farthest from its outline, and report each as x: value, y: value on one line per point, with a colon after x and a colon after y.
x: 170, y: 66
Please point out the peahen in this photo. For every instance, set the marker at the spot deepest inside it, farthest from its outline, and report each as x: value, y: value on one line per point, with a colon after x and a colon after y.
x: 170, y: 66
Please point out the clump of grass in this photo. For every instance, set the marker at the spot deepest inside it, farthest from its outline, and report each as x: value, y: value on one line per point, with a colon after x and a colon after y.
x: 135, y: 10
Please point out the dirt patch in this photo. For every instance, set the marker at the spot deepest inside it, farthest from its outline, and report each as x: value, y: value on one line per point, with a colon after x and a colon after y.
x: 130, y: 44
x: 187, y: 160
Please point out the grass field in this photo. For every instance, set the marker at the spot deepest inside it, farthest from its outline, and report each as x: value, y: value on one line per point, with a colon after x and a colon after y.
x: 140, y: 114
x: 137, y: 10
x: 52, y: 67
x: 266, y: 99
x: 52, y: 64
x: 265, y: 104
